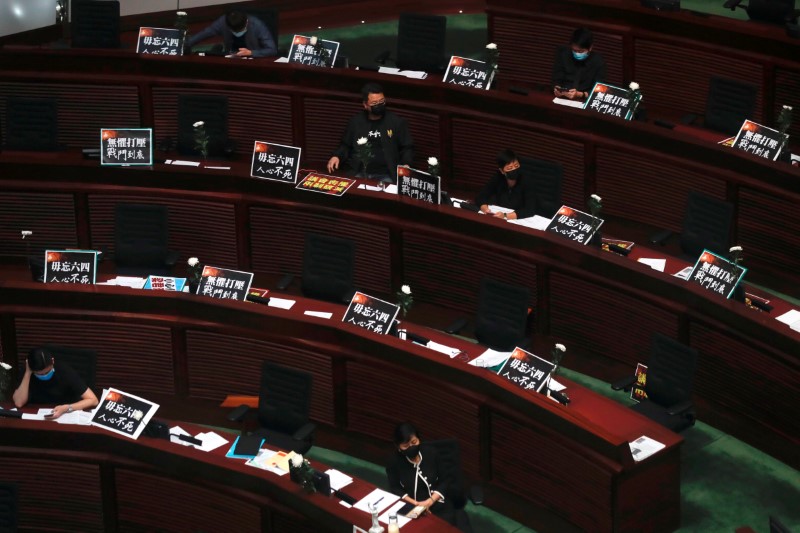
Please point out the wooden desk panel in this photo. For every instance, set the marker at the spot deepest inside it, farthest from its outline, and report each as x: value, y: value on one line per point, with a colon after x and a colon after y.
x: 50, y: 217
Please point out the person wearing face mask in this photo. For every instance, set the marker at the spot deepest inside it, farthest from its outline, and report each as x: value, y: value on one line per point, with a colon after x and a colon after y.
x: 46, y: 382
x: 577, y: 68
x: 387, y: 134
x: 414, y: 473
x: 508, y: 188
x: 242, y: 35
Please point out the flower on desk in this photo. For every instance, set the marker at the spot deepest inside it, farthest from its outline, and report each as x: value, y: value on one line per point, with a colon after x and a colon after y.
x: 405, y: 299
x: 297, y: 460
x: 736, y: 254
x: 195, y: 270
x: 634, y: 95
x: 433, y: 166
x: 201, y: 138
x: 557, y: 354
x: 300, y: 471
x: 5, y: 380
x: 492, y: 55
x: 182, y: 22
x: 363, y: 152
x: 595, y: 205
x: 137, y: 415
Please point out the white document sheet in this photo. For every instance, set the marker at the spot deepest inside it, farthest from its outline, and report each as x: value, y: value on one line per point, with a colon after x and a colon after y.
x: 182, y: 163
x: 490, y: 358
x: 684, y: 273
x: 281, y: 303
x: 414, y: 74
x: 567, y: 102
x: 339, y: 480
x: 655, y: 264
x: 78, y: 418
x: 318, y: 314
x: 555, y: 385
x: 535, y: 222
x: 379, y: 498
x: 789, y: 317
x: 211, y: 441
x: 441, y: 348
x: 644, y: 447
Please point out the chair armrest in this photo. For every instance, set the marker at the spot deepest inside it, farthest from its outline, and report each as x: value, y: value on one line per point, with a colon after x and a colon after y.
x: 238, y: 414
x: 660, y: 237
x: 476, y: 494
x: 680, y: 408
x: 172, y: 257
x: 456, y: 326
x: 624, y: 384
x: 689, y: 119
x: 305, y: 431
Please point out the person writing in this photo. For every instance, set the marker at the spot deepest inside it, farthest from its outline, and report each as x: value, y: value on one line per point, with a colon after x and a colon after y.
x: 387, y: 134
x: 242, y: 35
x: 577, y: 68
x: 46, y: 382
x: 508, y: 188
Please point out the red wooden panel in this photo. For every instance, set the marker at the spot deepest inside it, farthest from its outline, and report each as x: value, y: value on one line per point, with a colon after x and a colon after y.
x: 424, y: 128
x: 787, y: 92
x: 379, y: 398
x: 201, y: 229
x: 554, y: 472
x: 737, y: 375
x: 51, y: 218
x: 146, y: 350
x: 593, y: 320
x: 82, y: 109
x: 251, y: 115
x: 528, y: 46
x: 773, y: 245
x: 278, y: 238
x: 282, y: 523
x: 649, y: 188
x: 447, y: 272
x: 54, y: 495
x: 475, y: 151
x: 211, y: 355
x: 677, y: 75
x: 149, y: 502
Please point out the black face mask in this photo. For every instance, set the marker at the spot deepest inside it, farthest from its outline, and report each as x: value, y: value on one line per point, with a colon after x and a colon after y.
x: 512, y: 175
x: 378, y: 110
x: 411, y: 451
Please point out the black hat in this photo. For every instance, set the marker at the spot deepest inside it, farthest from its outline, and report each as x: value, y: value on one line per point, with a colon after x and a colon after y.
x: 39, y: 359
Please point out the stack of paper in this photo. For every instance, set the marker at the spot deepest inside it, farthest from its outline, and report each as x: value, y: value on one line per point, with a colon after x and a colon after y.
x: 415, y: 74
x: 792, y: 318
x: 126, y: 281
x: 655, y: 264
x: 339, y: 480
x: 567, y: 102
x: 534, y: 222
x: 644, y: 447
x: 441, y: 348
x: 490, y: 358
x: 264, y: 461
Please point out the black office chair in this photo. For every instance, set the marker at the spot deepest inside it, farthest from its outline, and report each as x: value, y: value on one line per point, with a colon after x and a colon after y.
x: 670, y: 378
x: 95, y: 24
x: 213, y: 112
x: 706, y: 225
x: 328, y: 264
x: 547, y: 178
x: 420, y: 42
x: 450, y: 468
x: 772, y: 11
x: 82, y: 360
x: 31, y: 124
x: 283, y: 406
x: 141, y: 235
x: 729, y: 103
x: 8, y: 507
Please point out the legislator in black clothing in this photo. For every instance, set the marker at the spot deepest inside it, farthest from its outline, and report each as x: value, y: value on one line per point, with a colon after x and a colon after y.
x: 508, y: 188
x: 577, y: 67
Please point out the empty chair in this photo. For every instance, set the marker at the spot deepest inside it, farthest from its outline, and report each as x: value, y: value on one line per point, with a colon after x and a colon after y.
x: 729, y: 103
x: 706, y: 224
x: 502, y: 318
x: 8, y: 507
x: 420, y: 42
x: 328, y: 264
x: 669, y: 383
x: 31, y: 124
x: 81, y: 360
x: 95, y: 24
x: 141, y: 235
x: 547, y: 178
x: 284, y: 403
x: 213, y: 112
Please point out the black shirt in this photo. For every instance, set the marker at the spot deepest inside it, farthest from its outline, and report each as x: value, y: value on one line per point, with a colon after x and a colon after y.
x: 404, y: 476
x: 391, y: 143
x: 569, y: 73
x: 238, y: 42
x: 66, y: 386
x: 521, y: 197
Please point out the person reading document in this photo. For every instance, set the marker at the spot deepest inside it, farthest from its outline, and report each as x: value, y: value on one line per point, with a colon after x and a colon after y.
x: 577, y: 68
x: 242, y: 35
x: 508, y: 188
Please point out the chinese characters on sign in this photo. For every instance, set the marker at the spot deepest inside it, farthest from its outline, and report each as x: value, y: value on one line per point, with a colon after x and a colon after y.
x: 275, y: 162
x: 716, y: 274
x: 164, y: 283
x: 759, y: 140
x: 419, y: 185
x: 130, y: 146
x: 370, y: 313
x: 123, y: 413
x: 574, y: 225
x: 610, y: 100
x: 70, y: 266
x: 224, y: 284
x: 468, y: 73
x: 325, y: 184
x: 160, y: 41
x: 305, y: 53
x: 637, y: 390
x: 526, y: 370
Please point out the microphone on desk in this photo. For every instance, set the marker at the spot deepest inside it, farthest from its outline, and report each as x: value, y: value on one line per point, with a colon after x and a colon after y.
x: 618, y: 249
x: 560, y: 397
x: 761, y: 305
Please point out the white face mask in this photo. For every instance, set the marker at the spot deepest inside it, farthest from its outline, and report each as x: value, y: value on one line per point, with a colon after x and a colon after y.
x: 239, y: 33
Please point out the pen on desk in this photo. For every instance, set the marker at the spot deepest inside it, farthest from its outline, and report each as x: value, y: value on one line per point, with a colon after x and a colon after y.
x: 377, y: 501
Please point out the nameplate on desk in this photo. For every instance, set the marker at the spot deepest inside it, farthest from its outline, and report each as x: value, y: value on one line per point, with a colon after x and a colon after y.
x: 419, y: 185
x: 469, y: 73
x: 322, y: 183
x: 164, y: 283
x: 527, y: 370
x: 126, y: 146
x: 224, y: 283
x: 123, y: 413
x: 275, y: 162
x: 574, y: 225
x: 759, y: 140
x: 321, y: 53
x: 610, y: 100
x: 70, y: 266
x: 371, y: 313
x: 160, y: 41
x: 716, y: 274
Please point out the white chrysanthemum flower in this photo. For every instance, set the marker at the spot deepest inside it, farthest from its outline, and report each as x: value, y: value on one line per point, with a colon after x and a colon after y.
x: 5, y: 366
x: 561, y: 348
x: 735, y: 249
x: 634, y: 86
x: 491, y: 46
x: 596, y: 198
x: 199, y: 123
x: 314, y: 40
x: 361, y: 141
x: 297, y: 460
x: 193, y: 261
x: 181, y: 13
x: 787, y: 107
x: 405, y: 289
x: 432, y: 161
x: 26, y: 233
x: 138, y: 415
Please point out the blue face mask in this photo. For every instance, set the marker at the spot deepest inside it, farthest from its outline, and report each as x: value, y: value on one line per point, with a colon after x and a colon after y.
x: 580, y: 56
x: 239, y: 33
x: 46, y: 377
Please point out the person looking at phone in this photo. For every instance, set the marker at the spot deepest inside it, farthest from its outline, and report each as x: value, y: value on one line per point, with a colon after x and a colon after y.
x: 577, y: 68
x: 48, y: 383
